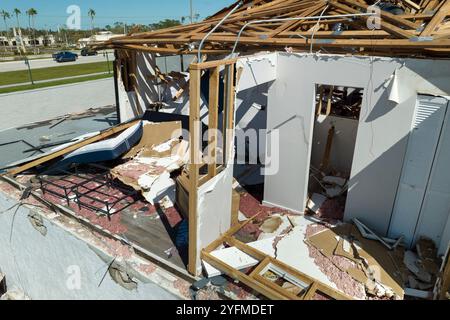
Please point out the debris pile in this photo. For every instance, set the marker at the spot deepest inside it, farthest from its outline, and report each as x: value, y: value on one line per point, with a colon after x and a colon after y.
x: 348, y: 257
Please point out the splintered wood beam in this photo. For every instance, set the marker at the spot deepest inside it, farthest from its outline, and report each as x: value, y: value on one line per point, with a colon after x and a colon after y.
x: 385, y: 15
x: 310, y: 12
x: 172, y: 51
x: 327, y: 152
x: 411, y: 4
x: 338, y: 43
x: 396, y: 31
x: 437, y: 19
x: 150, y: 49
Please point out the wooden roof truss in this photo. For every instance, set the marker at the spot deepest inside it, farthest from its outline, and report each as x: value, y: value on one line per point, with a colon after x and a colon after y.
x: 422, y: 29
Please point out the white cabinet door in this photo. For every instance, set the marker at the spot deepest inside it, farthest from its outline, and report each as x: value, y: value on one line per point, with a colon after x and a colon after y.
x: 436, y: 204
x: 422, y: 144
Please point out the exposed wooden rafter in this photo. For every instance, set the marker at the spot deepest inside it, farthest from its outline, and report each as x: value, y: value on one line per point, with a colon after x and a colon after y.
x: 420, y: 30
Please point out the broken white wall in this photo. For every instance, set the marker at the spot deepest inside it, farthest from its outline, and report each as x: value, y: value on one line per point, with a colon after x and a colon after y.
x: 129, y: 106
x: 258, y: 73
x: 344, y: 140
x: 147, y: 91
x: 213, y: 209
x: 256, y: 77
x: 215, y: 196
x: 382, y: 131
x: 59, y: 265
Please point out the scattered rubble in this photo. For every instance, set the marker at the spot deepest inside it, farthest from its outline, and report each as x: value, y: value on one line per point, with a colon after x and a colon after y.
x: 15, y: 294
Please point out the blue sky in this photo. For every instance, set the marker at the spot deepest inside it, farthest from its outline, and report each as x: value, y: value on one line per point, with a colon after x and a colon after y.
x: 52, y: 13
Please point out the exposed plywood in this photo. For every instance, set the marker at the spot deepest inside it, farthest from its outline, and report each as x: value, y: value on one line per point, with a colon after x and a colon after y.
x: 155, y: 134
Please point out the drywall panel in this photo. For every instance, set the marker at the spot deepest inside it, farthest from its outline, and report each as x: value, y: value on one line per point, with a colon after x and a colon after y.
x: 214, y: 209
x: 382, y: 130
x: 344, y: 140
x: 256, y: 75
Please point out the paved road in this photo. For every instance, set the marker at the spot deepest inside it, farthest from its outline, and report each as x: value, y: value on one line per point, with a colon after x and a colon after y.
x: 45, y: 63
x: 24, y: 107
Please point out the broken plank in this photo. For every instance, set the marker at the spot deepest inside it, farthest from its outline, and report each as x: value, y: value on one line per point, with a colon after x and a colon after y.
x: 438, y: 17
x: 238, y: 275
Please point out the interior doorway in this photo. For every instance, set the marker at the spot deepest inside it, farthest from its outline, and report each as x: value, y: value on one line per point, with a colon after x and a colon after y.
x: 336, y: 121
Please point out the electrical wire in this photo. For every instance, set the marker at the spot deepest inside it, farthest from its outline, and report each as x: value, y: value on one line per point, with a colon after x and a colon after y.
x: 316, y: 27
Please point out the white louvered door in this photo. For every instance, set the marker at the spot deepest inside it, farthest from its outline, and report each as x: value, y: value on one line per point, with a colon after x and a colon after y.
x: 418, y: 163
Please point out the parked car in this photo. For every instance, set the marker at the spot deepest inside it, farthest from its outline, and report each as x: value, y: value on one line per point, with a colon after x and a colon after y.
x: 57, y: 54
x: 88, y: 52
x: 66, y: 57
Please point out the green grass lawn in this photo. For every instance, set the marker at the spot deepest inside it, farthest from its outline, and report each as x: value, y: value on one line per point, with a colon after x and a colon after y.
x: 53, y: 83
x: 21, y: 76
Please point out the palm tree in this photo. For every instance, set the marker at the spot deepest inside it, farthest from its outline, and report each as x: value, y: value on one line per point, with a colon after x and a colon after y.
x: 5, y: 15
x: 91, y: 14
x: 31, y: 13
x: 17, y: 12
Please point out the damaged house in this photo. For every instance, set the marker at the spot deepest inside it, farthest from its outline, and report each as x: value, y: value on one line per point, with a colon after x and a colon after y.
x: 298, y: 147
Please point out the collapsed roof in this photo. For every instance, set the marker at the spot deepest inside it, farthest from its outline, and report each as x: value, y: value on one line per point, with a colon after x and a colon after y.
x: 419, y: 28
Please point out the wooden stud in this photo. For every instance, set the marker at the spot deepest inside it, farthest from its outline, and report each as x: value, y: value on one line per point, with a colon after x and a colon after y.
x: 327, y: 152
x: 213, y: 120
x: 194, y: 164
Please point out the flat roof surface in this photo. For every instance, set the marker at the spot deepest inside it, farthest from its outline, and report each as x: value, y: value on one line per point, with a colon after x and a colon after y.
x: 35, y: 138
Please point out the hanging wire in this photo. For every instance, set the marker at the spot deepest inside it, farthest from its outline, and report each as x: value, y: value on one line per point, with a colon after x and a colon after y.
x: 316, y: 28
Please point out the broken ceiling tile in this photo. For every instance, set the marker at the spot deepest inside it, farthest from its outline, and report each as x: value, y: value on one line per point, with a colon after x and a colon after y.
x: 411, y: 261
x: 334, y: 180
x: 274, y: 226
x: 316, y: 201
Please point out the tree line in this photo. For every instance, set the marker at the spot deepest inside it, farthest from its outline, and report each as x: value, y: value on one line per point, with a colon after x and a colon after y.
x: 73, y: 35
